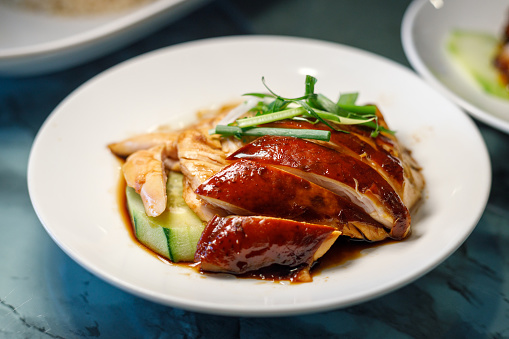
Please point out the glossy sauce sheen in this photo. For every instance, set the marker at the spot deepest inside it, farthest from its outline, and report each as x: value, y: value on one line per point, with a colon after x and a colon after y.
x: 309, y: 157
x: 277, y: 193
x: 358, y: 143
x: 126, y: 218
x: 340, y: 253
x: 242, y: 244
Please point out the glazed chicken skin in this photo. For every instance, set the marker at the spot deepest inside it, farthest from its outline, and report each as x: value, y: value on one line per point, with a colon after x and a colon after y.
x: 238, y: 245
x: 383, y: 153
x: 277, y: 200
x: 277, y: 193
x: 341, y: 174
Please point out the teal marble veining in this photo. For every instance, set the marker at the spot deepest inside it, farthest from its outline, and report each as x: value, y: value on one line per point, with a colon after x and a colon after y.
x: 45, y: 294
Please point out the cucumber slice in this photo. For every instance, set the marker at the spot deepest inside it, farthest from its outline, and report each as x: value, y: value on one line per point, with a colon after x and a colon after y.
x: 175, y: 233
x: 474, y: 53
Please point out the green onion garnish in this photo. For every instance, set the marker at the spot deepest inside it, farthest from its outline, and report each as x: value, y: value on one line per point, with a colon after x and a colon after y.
x: 309, y: 106
x: 347, y: 98
x: 261, y: 131
x: 270, y: 117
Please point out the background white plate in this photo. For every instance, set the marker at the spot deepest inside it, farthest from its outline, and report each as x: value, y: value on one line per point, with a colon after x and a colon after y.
x: 73, y: 178
x: 424, y: 32
x: 34, y: 42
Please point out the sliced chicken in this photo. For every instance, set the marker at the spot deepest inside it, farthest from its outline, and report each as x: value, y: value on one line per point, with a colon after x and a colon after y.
x: 203, y: 210
x: 344, y: 175
x: 144, y: 171
x: 149, y: 156
x: 243, y: 244
x: 252, y: 188
x: 201, y: 155
x: 278, y: 200
x: 358, y: 146
x: 383, y: 154
x: 140, y: 142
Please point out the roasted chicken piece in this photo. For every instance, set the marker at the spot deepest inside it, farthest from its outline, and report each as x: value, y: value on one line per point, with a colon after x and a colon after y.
x: 191, y: 151
x: 243, y: 244
x: 383, y: 153
x: 201, y: 156
x: 253, y: 188
x: 279, y: 200
x: 344, y: 175
x: 144, y: 171
x: 140, y: 142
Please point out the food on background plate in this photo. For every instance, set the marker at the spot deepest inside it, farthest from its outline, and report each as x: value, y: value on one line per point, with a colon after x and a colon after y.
x: 502, y: 56
x: 483, y: 57
x: 75, y: 7
x: 270, y: 184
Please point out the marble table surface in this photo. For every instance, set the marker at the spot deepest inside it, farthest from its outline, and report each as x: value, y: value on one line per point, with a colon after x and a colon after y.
x: 45, y: 294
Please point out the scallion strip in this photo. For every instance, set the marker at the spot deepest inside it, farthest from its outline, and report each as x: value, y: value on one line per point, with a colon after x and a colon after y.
x: 377, y: 128
x: 270, y: 117
x: 312, y: 112
x: 310, y: 85
x: 295, y: 112
x: 314, y: 105
x: 261, y: 131
x: 344, y: 109
x: 368, y: 109
x: 348, y: 98
x: 337, y: 118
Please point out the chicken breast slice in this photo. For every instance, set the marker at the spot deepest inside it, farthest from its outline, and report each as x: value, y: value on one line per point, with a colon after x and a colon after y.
x: 144, y: 171
x: 346, y: 176
x: 238, y: 244
x: 251, y: 188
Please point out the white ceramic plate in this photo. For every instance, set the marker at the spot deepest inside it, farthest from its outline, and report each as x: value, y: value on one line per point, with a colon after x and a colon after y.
x: 73, y: 178
x: 424, y: 33
x: 39, y: 42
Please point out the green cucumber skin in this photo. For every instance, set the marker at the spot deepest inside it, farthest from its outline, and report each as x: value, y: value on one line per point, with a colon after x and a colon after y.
x: 181, y: 244
x: 184, y: 228
x: 474, y: 53
x: 175, y: 233
x: 145, y: 231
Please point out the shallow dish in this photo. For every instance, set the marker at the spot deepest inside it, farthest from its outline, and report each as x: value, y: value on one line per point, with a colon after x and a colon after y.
x: 73, y: 178
x: 40, y: 42
x: 424, y: 31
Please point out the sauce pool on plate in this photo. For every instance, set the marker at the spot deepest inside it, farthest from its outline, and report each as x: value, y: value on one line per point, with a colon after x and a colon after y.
x: 343, y: 251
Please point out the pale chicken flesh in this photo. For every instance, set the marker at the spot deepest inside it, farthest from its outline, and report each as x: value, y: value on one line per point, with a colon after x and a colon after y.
x: 144, y: 171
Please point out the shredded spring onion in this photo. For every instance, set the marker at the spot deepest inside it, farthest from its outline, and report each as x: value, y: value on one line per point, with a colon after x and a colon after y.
x: 261, y: 131
x: 272, y: 107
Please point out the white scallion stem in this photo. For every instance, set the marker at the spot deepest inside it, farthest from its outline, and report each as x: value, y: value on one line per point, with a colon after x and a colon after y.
x: 238, y: 111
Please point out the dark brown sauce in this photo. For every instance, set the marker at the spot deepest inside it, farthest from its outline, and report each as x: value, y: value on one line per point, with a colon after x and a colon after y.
x: 343, y: 250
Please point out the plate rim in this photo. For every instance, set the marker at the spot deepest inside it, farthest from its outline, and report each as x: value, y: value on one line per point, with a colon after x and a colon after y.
x: 274, y: 310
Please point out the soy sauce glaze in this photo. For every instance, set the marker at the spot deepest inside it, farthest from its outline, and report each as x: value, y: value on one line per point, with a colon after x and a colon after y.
x: 343, y: 250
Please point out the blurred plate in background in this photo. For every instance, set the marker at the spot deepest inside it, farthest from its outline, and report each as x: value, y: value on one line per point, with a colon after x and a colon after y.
x: 40, y: 42
x: 424, y: 32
